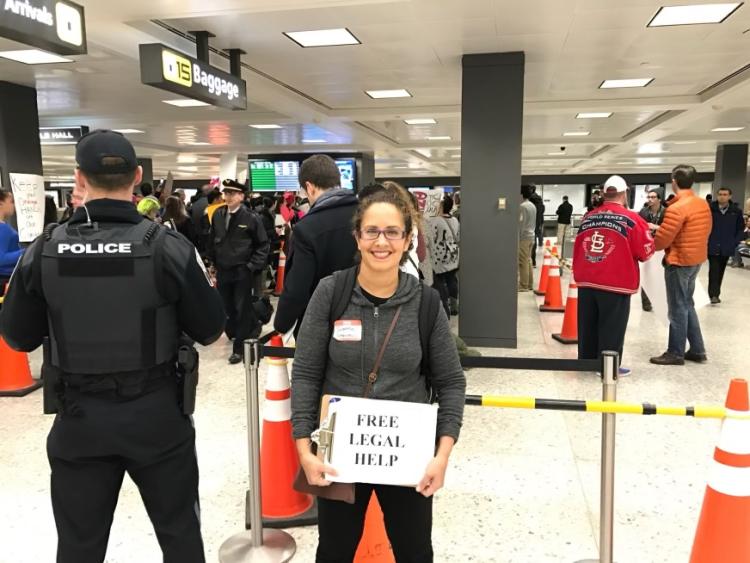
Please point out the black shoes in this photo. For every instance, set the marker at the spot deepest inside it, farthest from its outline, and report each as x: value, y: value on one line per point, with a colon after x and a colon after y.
x: 235, y: 359
x: 648, y: 307
x: 715, y: 301
x: 668, y: 359
x: 693, y: 357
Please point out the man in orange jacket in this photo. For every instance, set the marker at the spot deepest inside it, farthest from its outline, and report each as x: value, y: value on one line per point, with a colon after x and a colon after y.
x: 684, y: 236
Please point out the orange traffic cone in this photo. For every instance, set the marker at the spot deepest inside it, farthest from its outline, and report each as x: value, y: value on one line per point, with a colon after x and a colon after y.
x: 15, y: 375
x: 280, y: 272
x: 722, y: 533
x: 553, y: 296
x: 374, y: 547
x: 569, y: 334
x: 542, y: 287
x: 282, y: 506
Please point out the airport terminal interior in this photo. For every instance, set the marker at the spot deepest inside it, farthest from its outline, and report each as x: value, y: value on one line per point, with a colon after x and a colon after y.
x: 466, y: 99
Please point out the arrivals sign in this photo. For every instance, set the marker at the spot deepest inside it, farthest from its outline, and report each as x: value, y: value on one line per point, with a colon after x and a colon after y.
x: 175, y: 72
x: 61, y: 135
x: 57, y: 26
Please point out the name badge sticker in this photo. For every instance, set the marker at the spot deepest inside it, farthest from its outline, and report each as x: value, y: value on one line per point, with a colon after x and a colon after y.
x: 347, y: 331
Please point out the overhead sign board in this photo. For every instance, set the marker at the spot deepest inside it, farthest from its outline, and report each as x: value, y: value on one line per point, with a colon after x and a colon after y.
x: 178, y: 73
x: 57, y: 26
x: 61, y: 135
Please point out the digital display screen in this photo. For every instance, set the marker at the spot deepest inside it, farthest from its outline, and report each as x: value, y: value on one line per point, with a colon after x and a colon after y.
x: 267, y: 176
x: 348, y: 170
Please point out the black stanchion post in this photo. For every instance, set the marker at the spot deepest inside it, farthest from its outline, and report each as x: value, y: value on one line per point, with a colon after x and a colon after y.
x: 257, y: 544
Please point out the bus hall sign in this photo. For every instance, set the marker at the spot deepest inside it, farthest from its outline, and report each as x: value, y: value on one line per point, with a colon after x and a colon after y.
x: 175, y: 72
x: 57, y: 26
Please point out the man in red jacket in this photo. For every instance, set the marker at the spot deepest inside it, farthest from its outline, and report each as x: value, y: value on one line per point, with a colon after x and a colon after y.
x: 611, y: 241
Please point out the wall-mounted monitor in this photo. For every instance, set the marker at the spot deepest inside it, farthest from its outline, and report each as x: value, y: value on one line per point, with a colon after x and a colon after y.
x: 273, y: 176
x: 348, y: 170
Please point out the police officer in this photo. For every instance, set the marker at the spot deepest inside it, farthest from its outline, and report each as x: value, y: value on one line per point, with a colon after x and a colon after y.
x: 113, y: 291
x: 238, y: 246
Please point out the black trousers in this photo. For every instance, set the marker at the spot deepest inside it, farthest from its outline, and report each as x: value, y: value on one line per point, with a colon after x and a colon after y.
x: 408, y: 522
x: 154, y: 442
x: 238, y: 288
x: 716, y: 267
x: 538, y: 241
x: 602, y: 321
x: 446, y: 285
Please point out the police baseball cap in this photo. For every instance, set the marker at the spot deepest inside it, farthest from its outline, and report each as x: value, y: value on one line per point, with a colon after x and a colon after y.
x: 105, y: 152
x: 615, y: 183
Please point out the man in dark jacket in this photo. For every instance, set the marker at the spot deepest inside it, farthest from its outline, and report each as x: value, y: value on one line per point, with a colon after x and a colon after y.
x: 322, y: 241
x: 536, y: 199
x: 238, y: 247
x: 726, y: 233
x: 564, y: 213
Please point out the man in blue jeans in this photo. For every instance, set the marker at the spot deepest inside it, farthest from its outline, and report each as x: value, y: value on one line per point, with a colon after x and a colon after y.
x: 683, y: 235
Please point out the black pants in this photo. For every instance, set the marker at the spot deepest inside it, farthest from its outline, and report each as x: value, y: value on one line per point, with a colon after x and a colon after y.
x: 716, y: 267
x: 538, y: 241
x: 154, y: 442
x: 238, y: 288
x: 408, y: 522
x: 602, y: 321
x: 446, y: 285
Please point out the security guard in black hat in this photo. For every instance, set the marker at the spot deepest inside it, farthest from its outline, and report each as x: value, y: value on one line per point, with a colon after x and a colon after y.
x: 114, y: 293
x: 238, y: 246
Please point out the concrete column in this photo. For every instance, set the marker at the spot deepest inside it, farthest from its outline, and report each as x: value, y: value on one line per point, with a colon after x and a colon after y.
x: 491, y: 131
x: 367, y: 175
x: 228, y: 167
x: 148, y: 170
x: 731, y: 170
x: 20, y: 151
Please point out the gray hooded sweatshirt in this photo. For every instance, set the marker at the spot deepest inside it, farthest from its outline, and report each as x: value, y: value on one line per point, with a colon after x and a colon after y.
x: 323, y: 365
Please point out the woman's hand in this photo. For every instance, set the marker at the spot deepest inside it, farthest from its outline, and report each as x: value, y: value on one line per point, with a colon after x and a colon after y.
x: 315, y: 470
x: 434, y: 476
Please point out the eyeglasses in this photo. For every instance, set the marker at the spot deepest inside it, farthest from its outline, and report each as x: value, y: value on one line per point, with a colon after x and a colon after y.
x: 652, y: 197
x: 391, y: 233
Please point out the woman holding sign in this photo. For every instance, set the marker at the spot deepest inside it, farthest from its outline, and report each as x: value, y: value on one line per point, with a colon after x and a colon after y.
x: 10, y: 252
x: 335, y: 356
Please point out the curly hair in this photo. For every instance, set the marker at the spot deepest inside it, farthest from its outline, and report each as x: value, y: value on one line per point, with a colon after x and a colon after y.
x: 396, y: 198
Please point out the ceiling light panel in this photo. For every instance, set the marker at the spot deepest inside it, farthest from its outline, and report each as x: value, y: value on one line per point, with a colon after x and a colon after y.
x: 626, y: 83
x: 34, y: 57
x: 323, y: 37
x: 594, y: 115
x: 420, y: 121
x: 128, y: 131
x: 726, y: 129
x: 439, y: 138
x: 576, y: 133
x: 265, y: 126
x: 694, y: 14
x: 382, y: 94
x: 185, y: 103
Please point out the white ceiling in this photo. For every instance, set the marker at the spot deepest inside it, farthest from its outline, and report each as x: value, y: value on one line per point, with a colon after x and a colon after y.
x: 571, y: 46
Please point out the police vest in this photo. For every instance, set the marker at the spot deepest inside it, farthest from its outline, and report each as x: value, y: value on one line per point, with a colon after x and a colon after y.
x: 105, y: 310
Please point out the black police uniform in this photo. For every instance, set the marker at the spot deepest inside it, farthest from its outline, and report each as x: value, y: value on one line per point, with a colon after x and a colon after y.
x: 239, y: 247
x: 114, y: 292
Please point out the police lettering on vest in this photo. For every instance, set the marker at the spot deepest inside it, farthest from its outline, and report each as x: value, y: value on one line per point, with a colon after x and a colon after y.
x: 95, y: 248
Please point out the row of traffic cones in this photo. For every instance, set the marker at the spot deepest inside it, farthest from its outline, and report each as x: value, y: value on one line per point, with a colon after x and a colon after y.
x: 550, y: 287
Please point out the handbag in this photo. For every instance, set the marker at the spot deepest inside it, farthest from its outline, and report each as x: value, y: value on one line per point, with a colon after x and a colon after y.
x: 344, y: 491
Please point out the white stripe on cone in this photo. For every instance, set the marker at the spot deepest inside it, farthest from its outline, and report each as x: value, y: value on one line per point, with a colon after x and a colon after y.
x: 734, y: 432
x: 572, y: 292
x: 554, y: 272
x: 277, y: 411
x: 732, y: 481
x: 277, y: 378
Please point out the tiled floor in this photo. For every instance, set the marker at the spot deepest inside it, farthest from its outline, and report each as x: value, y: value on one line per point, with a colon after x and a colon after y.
x: 523, y: 485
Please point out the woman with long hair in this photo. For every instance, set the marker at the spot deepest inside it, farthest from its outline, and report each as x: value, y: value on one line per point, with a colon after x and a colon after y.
x: 10, y: 252
x: 176, y: 217
x: 325, y: 363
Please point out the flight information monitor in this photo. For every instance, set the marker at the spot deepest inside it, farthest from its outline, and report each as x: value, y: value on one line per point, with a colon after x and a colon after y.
x: 348, y: 170
x: 268, y: 176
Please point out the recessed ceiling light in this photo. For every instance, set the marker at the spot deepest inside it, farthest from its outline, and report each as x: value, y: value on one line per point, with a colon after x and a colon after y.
x: 558, y: 153
x: 34, y: 57
x: 726, y: 129
x: 185, y: 103
x: 265, y: 126
x: 576, y: 133
x: 314, y: 141
x: 439, y: 138
x: 420, y: 121
x: 323, y: 37
x: 128, y: 131
x: 594, y: 115
x: 651, y: 148
x: 649, y: 160
x: 695, y: 14
x: 379, y: 94
x: 455, y: 156
x: 626, y: 83
x: 188, y: 168
x: 197, y: 144
x: 684, y: 142
x: 708, y: 161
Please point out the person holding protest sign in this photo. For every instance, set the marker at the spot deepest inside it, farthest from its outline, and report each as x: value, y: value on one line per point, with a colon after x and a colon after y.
x: 342, y: 356
x: 10, y: 252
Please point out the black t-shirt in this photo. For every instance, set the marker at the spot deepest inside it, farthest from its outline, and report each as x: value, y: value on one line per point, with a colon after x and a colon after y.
x: 377, y: 301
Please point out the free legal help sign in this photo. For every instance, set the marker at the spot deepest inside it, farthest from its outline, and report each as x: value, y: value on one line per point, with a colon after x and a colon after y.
x: 381, y: 442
